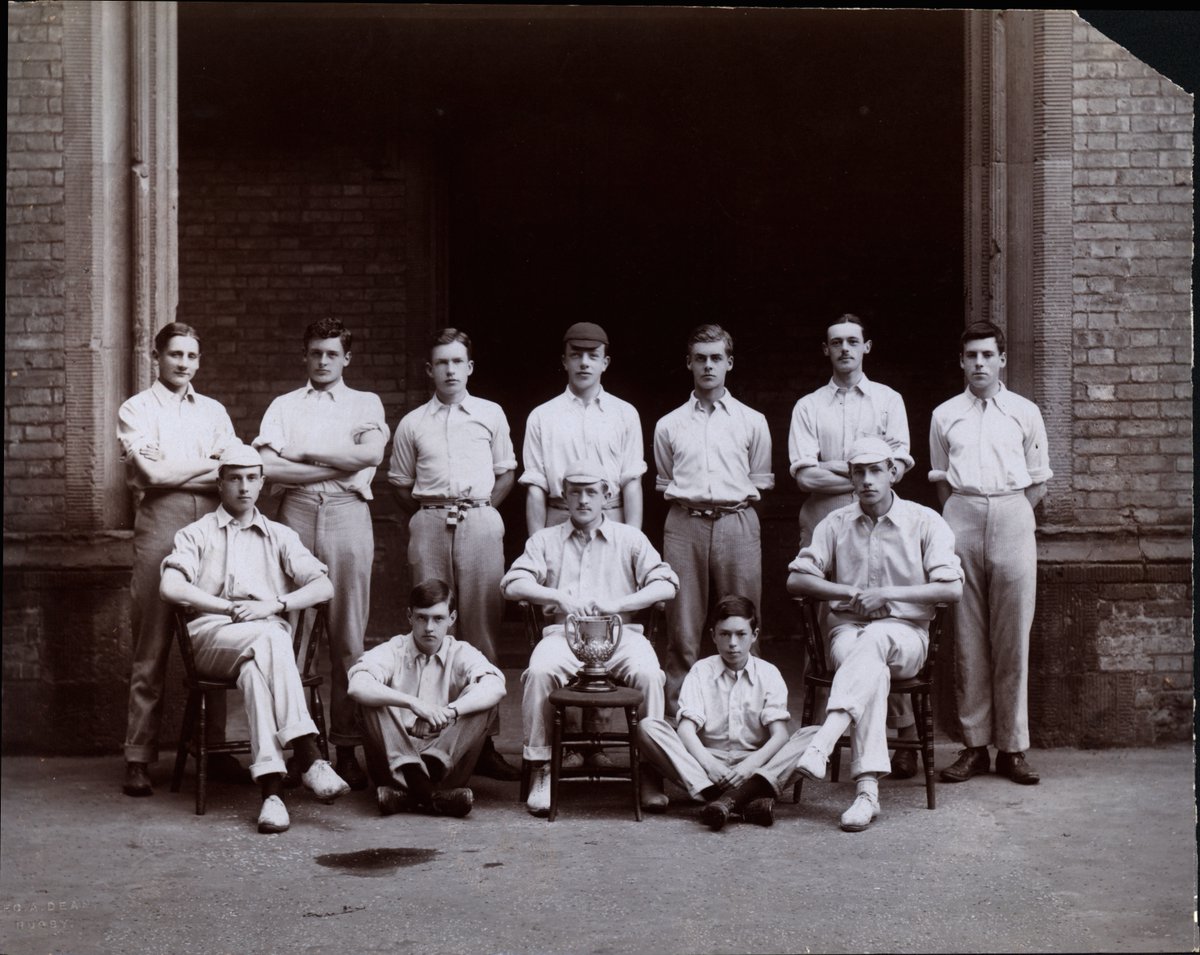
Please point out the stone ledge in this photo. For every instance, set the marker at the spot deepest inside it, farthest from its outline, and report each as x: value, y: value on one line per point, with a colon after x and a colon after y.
x: 1058, y: 544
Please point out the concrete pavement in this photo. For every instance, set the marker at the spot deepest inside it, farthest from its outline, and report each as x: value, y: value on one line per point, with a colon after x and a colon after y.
x: 1099, y: 857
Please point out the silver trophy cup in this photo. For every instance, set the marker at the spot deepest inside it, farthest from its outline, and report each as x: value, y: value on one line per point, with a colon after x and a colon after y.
x: 593, y: 639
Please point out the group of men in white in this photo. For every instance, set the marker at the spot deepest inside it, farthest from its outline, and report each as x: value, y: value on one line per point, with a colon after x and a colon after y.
x: 424, y: 704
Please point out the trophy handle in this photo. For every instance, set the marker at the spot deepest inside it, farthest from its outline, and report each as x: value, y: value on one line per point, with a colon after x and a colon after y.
x: 615, y: 630
x: 571, y: 630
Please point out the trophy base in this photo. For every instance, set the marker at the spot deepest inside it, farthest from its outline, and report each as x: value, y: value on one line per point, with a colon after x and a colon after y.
x: 592, y: 681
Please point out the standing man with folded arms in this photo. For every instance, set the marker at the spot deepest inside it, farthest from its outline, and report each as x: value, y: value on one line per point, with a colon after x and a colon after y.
x: 824, y: 425
x: 452, y: 465
x: 322, y: 443
x: 713, y: 455
x: 171, y: 438
x: 989, y: 460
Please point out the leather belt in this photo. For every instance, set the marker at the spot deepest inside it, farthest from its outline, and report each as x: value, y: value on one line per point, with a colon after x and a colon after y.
x: 712, y: 512
x: 456, y: 510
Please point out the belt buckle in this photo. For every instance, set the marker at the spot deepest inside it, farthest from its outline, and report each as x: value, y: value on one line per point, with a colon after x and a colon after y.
x: 453, y: 516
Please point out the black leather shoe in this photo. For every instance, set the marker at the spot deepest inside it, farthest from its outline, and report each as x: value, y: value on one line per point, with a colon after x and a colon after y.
x: 716, y: 813
x: 453, y: 802
x: 492, y: 765
x: 226, y: 768
x: 392, y: 800
x: 137, y: 780
x: 904, y: 764
x: 760, y: 811
x: 972, y: 761
x: 1013, y: 766
x: 353, y: 773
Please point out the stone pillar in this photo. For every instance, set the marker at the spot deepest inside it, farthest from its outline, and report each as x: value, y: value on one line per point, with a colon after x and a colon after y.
x: 1017, y: 209
x: 119, y: 65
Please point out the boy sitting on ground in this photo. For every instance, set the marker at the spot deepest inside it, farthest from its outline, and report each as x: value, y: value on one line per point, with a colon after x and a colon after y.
x: 733, y: 718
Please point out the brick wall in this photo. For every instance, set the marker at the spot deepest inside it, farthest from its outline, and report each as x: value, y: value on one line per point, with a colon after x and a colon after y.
x: 1132, y: 315
x: 34, y: 422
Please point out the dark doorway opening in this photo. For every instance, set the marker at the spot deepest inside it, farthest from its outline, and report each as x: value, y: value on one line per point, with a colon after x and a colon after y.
x: 512, y: 170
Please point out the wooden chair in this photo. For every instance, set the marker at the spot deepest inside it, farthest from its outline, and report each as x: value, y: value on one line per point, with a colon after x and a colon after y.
x: 818, y: 675
x: 193, y: 732
x: 534, y: 624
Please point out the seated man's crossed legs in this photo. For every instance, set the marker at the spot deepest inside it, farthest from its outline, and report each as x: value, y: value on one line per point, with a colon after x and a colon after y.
x: 866, y: 656
x: 429, y: 773
x: 259, y: 654
x: 552, y: 665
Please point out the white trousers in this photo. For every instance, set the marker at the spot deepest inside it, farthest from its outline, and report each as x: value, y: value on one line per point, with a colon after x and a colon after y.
x: 552, y: 664
x: 260, y: 653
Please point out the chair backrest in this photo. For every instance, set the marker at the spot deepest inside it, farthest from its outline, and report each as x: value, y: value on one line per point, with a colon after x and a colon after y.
x: 535, y: 621
x: 179, y: 622
x: 814, y: 638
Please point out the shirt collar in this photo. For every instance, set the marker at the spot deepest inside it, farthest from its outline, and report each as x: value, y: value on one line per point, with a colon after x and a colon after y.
x: 165, y: 394
x: 861, y: 386
x: 751, y: 671
x: 724, y: 402
x: 603, y: 529
x: 1000, y: 399
x: 335, y: 392
x: 898, y: 514
x: 467, y: 404
x: 598, y: 401
x: 224, y: 519
x: 442, y: 656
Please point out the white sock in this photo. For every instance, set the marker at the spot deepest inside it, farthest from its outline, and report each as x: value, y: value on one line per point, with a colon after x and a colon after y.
x: 867, y: 783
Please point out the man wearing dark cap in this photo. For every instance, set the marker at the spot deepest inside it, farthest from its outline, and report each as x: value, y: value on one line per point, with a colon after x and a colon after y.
x: 882, y: 563
x: 587, y: 422
x: 587, y: 565
x: 584, y: 422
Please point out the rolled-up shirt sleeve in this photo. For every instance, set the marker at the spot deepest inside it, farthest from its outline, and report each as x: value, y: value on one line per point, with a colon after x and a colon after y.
x: 504, y: 455
x: 376, y: 420
x: 402, y: 468
x: 775, y: 694
x: 271, y: 433
x: 939, y: 451
x: 472, y: 667
x: 691, y: 701
x: 817, y: 558
x: 378, y: 662
x: 941, y: 563
x: 531, y: 565
x: 633, y: 461
x: 533, y: 455
x: 132, y: 429
x: 649, y: 567
x: 898, y: 438
x: 761, y: 475
x: 187, y: 553
x: 664, y: 457
x: 804, y: 450
x: 298, y: 560
x: 1037, y: 452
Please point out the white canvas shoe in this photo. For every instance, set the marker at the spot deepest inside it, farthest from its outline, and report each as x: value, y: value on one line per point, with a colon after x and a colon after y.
x: 812, y: 764
x: 862, y: 813
x: 538, y: 802
x: 324, y: 781
x: 273, y: 817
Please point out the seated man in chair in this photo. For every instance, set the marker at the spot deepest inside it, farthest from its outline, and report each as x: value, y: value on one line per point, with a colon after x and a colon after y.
x: 241, y: 574
x: 588, y: 565
x: 882, y: 563
x: 426, y: 700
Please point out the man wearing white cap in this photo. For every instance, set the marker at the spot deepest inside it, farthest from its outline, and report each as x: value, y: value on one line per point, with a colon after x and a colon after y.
x: 589, y: 565
x: 240, y: 574
x: 882, y: 563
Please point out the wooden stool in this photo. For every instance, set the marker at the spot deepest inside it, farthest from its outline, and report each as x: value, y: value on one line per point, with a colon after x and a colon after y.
x: 623, y: 697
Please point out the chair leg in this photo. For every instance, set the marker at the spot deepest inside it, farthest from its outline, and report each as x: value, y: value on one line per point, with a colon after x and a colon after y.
x: 925, y: 725
x: 836, y: 769
x: 202, y: 758
x: 555, y: 761
x: 635, y: 769
x: 317, y: 711
x: 526, y: 774
x: 185, y: 737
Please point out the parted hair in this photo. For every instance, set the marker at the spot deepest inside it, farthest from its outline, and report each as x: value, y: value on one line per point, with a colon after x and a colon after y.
x: 431, y: 592
x: 171, y: 330
x: 328, y: 328
x: 977, y: 330
x: 451, y: 336
x: 847, y: 319
x: 703, y: 334
x: 735, y: 605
